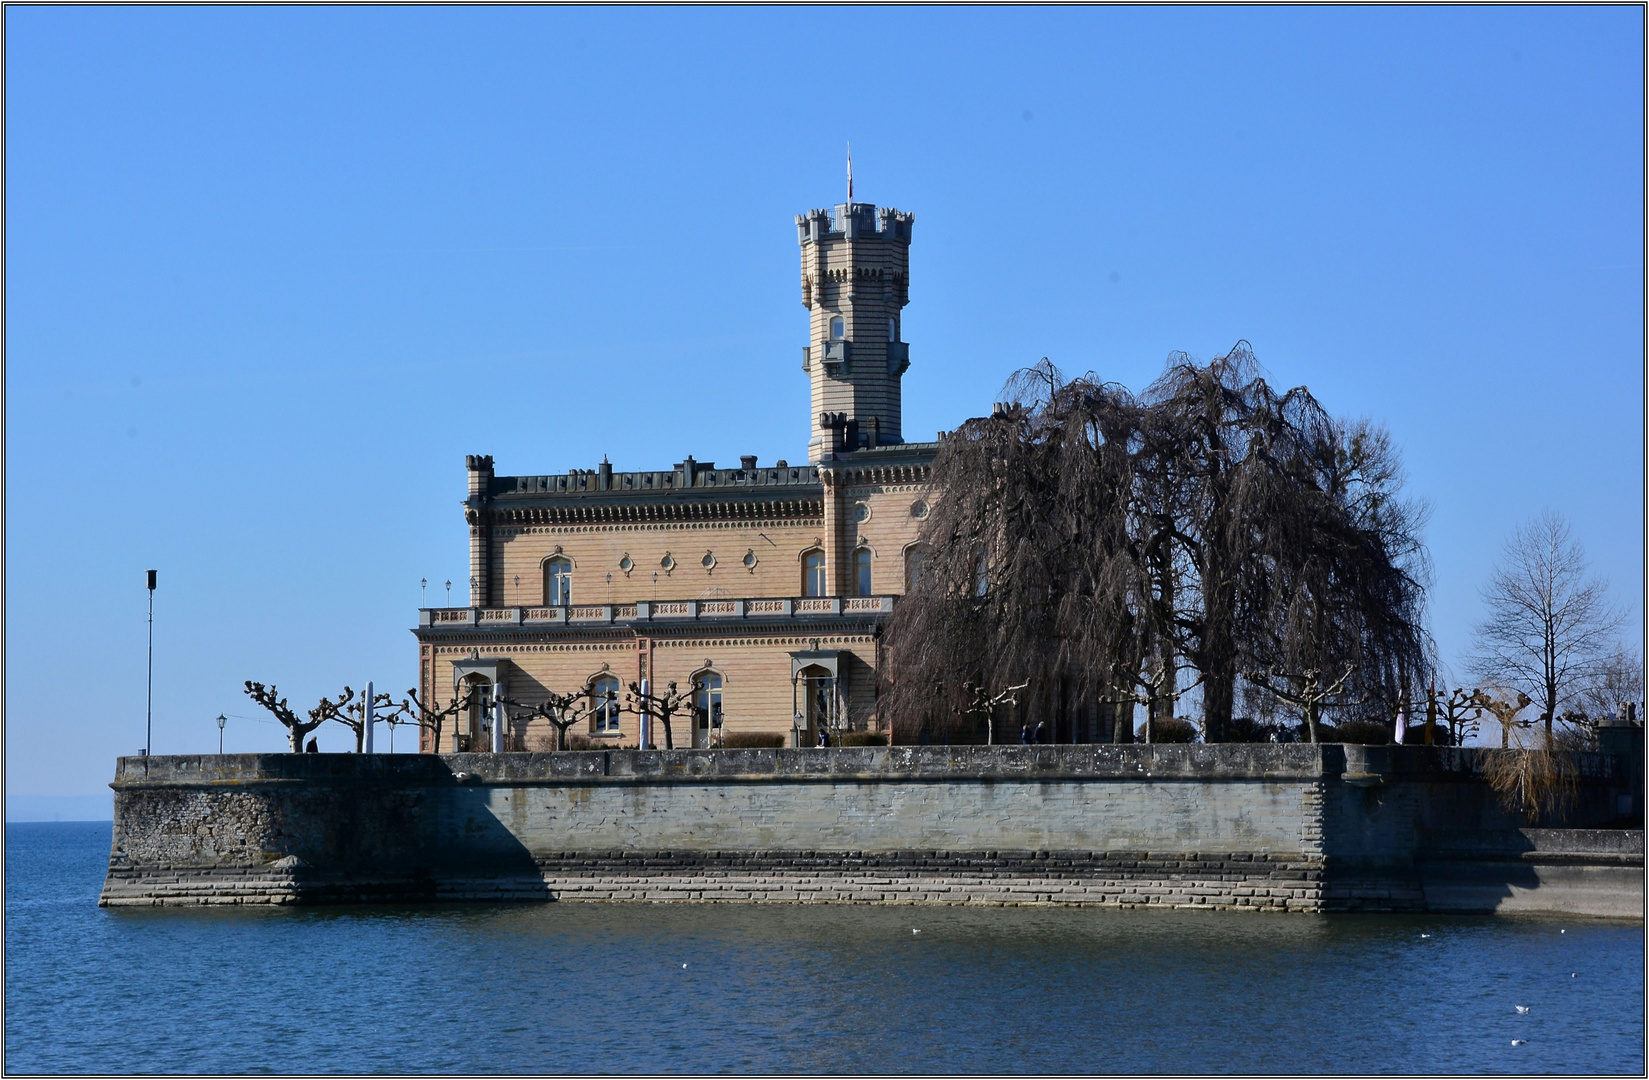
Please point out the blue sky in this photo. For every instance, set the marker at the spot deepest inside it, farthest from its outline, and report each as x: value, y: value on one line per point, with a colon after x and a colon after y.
x: 272, y: 273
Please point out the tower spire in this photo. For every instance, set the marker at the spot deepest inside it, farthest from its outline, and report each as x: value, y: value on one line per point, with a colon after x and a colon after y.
x: 850, y: 171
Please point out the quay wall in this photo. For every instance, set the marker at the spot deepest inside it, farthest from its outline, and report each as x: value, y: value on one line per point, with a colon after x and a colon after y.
x: 1280, y: 827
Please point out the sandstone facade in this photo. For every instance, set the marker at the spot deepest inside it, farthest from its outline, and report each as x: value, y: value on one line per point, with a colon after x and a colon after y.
x: 765, y: 584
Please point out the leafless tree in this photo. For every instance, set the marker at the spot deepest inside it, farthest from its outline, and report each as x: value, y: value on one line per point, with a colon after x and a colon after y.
x: 1305, y: 690
x: 1549, y: 623
x: 296, y: 727
x: 1504, y: 705
x: 982, y: 704
x: 352, y: 713
x: 664, y: 706
x: 562, y: 711
x: 1616, y: 680
x: 427, y: 717
x: 1087, y: 543
x: 1458, y: 712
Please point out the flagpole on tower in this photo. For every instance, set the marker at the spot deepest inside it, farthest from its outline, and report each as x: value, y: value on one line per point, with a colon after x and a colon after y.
x: 850, y: 171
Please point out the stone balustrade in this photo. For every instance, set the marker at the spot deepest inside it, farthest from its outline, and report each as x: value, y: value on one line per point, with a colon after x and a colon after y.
x: 810, y: 607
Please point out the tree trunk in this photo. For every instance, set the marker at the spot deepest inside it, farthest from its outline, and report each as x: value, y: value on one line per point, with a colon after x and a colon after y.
x: 1122, y: 722
x: 1218, y: 699
x: 295, y: 736
x: 1311, y: 721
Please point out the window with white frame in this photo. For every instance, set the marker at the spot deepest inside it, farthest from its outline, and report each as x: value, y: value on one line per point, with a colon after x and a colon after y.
x: 838, y: 328
x: 813, y: 573
x: 707, y: 705
x: 604, y: 711
x: 558, y: 582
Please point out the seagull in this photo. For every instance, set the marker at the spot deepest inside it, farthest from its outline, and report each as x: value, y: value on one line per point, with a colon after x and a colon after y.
x: 1519, y: 1042
x: 1425, y: 935
x: 1574, y: 974
x: 1563, y: 931
x: 916, y: 931
x: 684, y: 968
x: 1522, y: 1008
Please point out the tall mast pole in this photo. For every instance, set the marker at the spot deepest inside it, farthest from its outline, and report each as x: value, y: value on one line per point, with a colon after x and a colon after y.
x: 149, y: 707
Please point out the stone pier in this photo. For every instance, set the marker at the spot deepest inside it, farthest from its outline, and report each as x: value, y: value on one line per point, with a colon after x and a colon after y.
x: 1261, y: 827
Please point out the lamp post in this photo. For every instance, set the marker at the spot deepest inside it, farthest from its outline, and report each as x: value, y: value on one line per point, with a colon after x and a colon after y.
x: 449, y: 592
x: 423, y: 590
x: 222, y: 720
x: 149, y: 707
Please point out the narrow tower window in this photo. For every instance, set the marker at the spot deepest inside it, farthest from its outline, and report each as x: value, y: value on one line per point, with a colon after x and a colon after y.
x: 861, y: 571
x: 837, y: 328
x: 892, y: 328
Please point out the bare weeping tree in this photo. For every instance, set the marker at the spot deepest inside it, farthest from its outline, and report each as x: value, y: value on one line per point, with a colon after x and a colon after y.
x: 1549, y: 624
x: 1090, y: 544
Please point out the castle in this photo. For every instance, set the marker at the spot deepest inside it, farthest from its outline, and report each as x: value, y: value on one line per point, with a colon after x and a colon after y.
x: 761, y: 590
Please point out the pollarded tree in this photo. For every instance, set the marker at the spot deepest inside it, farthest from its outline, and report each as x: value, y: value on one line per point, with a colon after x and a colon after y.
x: 1550, y: 623
x: 296, y: 726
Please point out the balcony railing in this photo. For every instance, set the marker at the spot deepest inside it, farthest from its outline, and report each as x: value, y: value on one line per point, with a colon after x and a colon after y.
x: 650, y: 611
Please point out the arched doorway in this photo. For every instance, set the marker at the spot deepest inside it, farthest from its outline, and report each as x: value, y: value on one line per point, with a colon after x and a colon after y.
x: 819, y: 696
x: 707, y: 714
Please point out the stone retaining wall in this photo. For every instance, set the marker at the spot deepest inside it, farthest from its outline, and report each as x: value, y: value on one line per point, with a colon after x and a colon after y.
x: 1298, y: 828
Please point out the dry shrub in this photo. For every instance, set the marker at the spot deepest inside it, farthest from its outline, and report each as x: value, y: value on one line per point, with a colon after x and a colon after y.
x: 864, y: 738
x: 1171, y: 730
x: 1537, y: 783
x: 752, y: 740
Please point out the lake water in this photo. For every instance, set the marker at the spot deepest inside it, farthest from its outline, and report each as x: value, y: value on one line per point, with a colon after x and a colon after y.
x: 785, y: 988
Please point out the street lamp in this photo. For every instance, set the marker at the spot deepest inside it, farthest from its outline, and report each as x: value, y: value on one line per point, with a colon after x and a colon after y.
x: 423, y: 590
x: 449, y: 592
x: 222, y: 720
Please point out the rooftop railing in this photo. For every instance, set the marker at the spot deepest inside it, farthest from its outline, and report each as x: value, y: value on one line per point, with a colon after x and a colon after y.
x: 648, y: 611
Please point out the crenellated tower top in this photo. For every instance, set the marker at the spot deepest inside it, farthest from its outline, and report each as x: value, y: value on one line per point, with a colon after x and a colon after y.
x: 855, y: 281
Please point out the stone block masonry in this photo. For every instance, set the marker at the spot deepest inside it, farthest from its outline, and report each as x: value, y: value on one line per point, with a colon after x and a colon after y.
x: 1254, y: 827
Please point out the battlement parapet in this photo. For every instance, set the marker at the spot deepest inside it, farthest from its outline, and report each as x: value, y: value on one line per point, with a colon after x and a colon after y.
x: 855, y: 221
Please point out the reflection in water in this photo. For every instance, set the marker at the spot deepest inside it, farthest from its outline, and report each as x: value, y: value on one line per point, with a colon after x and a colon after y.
x: 788, y: 988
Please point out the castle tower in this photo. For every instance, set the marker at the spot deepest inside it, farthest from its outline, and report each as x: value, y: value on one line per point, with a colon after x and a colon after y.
x: 855, y: 281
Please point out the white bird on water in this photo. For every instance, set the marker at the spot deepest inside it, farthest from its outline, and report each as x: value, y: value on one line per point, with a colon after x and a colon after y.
x: 1425, y: 935
x: 1519, y: 1042
x: 1521, y: 1008
x: 916, y: 931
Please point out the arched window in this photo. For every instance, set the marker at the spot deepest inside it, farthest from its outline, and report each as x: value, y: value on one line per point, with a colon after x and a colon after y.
x: 813, y: 573
x: 838, y: 328
x: 916, y: 558
x: 706, y: 709
x: 604, y: 704
x: 558, y: 582
x: 892, y: 328
x: 861, y: 572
